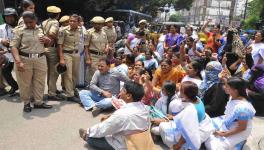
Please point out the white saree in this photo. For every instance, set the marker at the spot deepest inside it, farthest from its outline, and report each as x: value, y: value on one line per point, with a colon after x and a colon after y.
x: 235, y: 110
x: 186, y: 124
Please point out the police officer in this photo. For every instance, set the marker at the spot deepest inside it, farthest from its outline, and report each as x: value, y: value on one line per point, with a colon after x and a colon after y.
x: 111, y: 34
x: 26, y: 5
x: 31, y: 66
x: 68, y: 45
x: 10, y: 17
x: 97, y: 44
x: 64, y: 21
x: 142, y: 27
x: 51, y: 28
x: 110, y: 31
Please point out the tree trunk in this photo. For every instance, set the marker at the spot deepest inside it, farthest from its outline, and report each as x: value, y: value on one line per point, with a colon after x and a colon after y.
x: 204, y: 11
x: 2, y: 5
x: 231, y: 14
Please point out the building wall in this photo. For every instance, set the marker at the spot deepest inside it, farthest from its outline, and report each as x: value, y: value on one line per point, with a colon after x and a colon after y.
x: 201, y: 10
x: 240, y: 7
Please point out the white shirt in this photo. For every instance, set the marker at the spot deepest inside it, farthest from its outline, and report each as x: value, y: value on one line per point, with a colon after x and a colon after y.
x: 133, y: 44
x: 6, y: 34
x: 131, y: 118
x: 175, y: 105
x: 194, y: 80
x: 122, y: 69
x: 191, y: 53
x: 150, y: 62
x: 162, y: 38
x: 257, y: 52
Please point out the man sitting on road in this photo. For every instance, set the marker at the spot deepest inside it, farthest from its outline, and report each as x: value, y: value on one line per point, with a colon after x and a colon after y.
x: 132, y: 118
x: 105, y: 84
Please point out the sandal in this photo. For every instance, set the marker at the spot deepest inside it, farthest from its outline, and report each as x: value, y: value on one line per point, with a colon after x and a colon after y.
x: 83, y: 134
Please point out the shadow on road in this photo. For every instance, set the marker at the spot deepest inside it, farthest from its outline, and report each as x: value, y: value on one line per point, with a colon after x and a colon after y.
x: 43, y: 113
x: 86, y: 146
x: 14, y: 99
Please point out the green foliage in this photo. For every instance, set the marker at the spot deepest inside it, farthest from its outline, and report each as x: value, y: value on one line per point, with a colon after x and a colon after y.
x: 175, y: 17
x: 254, y: 13
x: 250, y: 22
x: 1, y: 19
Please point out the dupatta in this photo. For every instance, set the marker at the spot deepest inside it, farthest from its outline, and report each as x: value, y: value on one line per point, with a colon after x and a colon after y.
x: 188, y: 126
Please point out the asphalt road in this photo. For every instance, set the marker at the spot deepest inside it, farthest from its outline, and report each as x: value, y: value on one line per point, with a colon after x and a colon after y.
x: 53, y: 129
x: 57, y: 128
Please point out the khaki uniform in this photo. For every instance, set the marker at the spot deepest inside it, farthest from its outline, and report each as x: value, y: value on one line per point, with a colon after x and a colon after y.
x: 111, y: 37
x: 111, y: 34
x: 97, y: 42
x: 51, y: 27
x: 20, y: 21
x: 32, y: 80
x: 70, y: 39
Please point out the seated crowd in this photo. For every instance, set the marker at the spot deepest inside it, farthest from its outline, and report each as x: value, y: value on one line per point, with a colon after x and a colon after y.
x: 191, y: 91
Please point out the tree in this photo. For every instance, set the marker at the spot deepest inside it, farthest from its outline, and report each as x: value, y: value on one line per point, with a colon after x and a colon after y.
x: 255, y: 9
x: 175, y: 17
x: 231, y: 14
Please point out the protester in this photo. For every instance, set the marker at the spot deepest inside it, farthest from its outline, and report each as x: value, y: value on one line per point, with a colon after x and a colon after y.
x: 192, y: 50
x: 214, y: 36
x: 173, y: 39
x: 256, y: 89
x: 211, y: 90
x: 104, y: 86
x: 258, y: 48
x: 160, y: 48
x: 150, y: 63
x: 186, y: 130
x: 168, y: 104
x: 142, y: 76
x: 235, y: 126
x: 166, y: 73
x: 193, y: 73
x: 132, y: 118
x: 120, y: 66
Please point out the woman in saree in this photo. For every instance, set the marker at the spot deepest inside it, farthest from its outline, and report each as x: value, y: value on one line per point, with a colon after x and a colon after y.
x: 234, y: 127
x: 191, y: 126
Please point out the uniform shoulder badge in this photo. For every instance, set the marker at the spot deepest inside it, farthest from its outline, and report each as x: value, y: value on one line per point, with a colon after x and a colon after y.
x: 18, y: 28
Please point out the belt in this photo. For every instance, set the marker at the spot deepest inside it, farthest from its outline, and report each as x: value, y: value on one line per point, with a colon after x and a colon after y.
x: 70, y: 51
x: 95, y: 52
x: 31, y: 55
